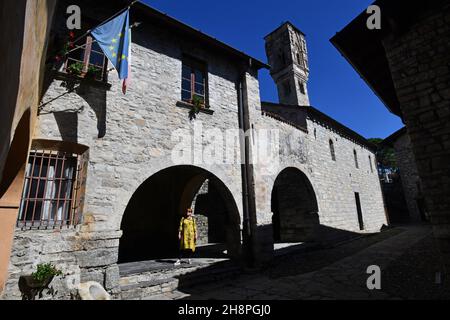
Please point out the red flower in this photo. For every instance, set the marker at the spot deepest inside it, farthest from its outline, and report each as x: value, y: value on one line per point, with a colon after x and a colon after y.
x: 71, y: 34
x: 58, y: 58
x: 71, y: 45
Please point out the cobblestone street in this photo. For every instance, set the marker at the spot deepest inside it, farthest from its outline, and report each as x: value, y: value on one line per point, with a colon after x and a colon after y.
x: 339, y: 272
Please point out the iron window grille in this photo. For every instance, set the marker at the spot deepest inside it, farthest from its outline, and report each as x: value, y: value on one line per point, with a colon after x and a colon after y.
x: 53, y: 191
x: 194, y: 80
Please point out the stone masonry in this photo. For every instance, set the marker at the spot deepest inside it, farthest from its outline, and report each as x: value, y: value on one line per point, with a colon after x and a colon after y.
x: 409, y: 175
x: 130, y: 138
x: 420, y: 66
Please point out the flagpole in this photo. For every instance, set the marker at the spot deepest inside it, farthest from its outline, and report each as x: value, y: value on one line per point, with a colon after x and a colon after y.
x: 110, y: 18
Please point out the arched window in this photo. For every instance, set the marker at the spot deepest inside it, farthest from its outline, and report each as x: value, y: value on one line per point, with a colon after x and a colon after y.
x: 299, y: 59
x: 333, y: 155
x: 370, y: 162
x: 302, y: 87
x: 356, y: 159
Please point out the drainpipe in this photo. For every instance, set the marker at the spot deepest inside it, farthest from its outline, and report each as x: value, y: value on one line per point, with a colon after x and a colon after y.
x: 248, y: 192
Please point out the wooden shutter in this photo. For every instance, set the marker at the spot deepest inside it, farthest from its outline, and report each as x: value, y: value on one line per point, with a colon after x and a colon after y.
x: 80, y: 188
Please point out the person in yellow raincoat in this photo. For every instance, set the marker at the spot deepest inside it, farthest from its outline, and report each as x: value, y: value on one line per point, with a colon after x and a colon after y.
x: 187, y: 234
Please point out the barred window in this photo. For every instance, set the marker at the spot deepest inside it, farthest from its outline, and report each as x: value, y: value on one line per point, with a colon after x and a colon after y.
x: 53, y: 189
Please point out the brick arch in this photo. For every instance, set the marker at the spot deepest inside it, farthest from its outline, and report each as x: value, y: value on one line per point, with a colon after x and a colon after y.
x: 294, y: 206
x: 151, y: 218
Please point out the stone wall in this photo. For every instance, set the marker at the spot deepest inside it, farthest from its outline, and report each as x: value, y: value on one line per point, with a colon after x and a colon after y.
x: 334, y: 182
x: 409, y: 176
x: 337, y: 181
x: 129, y: 137
x: 419, y: 63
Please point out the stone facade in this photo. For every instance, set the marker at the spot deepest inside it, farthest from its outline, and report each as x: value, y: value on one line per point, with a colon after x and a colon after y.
x: 130, y: 139
x: 419, y: 63
x: 409, y: 176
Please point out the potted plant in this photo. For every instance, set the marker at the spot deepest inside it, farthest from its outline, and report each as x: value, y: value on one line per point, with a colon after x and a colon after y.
x: 75, y: 68
x: 39, y: 280
x: 198, y: 103
x: 93, y: 73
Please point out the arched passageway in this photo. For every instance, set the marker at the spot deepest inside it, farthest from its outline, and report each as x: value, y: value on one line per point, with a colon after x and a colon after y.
x: 151, y: 219
x: 294, y: 208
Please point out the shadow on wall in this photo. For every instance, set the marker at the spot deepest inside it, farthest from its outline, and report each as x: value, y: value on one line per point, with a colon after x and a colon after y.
x: 67, y: 119
x: 11, y: 52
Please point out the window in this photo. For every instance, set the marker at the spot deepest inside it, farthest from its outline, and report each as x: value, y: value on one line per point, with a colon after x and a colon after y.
x: 282, y: 58
x: 299, y: 60
x: 302, y: 87
x: 194, y: 81
x: 52, y: 194
x: 287, y: 88
x: 359, y: 211
x: 87, y: 61
x: 333, y: 155
x: 355, y: 155
x: 370, y: 163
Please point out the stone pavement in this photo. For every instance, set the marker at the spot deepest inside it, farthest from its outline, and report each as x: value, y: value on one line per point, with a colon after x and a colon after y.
x: 343, y: 276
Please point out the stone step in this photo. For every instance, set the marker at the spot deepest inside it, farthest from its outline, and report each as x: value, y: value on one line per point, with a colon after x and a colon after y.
x: 153, y: 275
x: 137, y: 291
x: 150, y: 284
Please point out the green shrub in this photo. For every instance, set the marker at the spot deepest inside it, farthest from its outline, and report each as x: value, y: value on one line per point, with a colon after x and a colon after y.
x: 45, y: 271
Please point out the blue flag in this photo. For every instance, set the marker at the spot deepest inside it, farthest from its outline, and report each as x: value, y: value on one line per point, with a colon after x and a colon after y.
x: 113, y: 38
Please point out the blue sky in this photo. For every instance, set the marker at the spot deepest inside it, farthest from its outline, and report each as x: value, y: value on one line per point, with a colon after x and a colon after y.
x: 334, y: 87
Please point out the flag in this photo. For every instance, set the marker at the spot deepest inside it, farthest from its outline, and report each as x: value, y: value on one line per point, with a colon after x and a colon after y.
x: 126, y: 81
x: 113, y: 37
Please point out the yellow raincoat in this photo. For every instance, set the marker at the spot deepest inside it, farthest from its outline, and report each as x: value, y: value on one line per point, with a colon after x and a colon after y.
x: 188, y: 230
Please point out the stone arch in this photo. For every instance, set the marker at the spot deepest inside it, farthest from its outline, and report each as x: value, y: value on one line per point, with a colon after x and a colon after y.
x: 151, y: 218
x: 294, y: 207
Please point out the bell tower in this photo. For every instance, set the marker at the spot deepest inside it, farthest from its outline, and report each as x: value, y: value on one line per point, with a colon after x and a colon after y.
x: 288, y: 56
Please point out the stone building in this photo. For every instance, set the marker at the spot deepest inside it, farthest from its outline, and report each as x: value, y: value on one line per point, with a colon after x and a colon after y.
x: 104, y: 184
x: 412, y: 186
x: 406, y: 63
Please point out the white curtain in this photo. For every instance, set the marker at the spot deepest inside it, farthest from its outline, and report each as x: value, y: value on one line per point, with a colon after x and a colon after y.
x: 50, y: 191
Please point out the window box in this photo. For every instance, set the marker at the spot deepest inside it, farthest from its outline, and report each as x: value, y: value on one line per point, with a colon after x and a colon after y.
x: 64, y: 76
x: 187, y: 105
x: 85, y: 64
